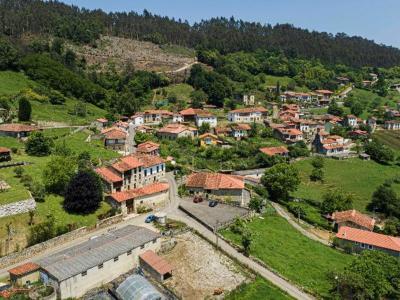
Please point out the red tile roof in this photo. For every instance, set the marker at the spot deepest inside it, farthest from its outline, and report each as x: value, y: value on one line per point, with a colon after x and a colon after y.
x: 271, y: 151
x: 355, y: 217
x: 215, y: 181
x: 148, y: 160
x: 190, y: 111
x: 250, y: 110
x: 290, y: 131
x: 108, y: 174
x: 241, y: 127
x: 127, y: 163
x: 24, y: 269
x: 114, y: 133
x: 17, y: 128
x: 369, y: 237
x: 175, y: 128
x: 147, y: 147
x: 157, y: 263
x: 4, y: 150
x: 147, y: 190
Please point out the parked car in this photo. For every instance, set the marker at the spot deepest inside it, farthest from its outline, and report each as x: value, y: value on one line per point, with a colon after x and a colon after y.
x: 150, y: 218
x: 212, y: 203
x: 197, y: 199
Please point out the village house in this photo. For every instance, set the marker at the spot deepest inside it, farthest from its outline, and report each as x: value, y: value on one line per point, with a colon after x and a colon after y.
x: 209, y: 139
x: 137, y: 119
x: 205, y: 117
x: 367, y: 83
x: 175, y: 131
x: 157, y: 266
x: 248, y: 115
x: 288, y: 135
x: 97, y: 261
x: 324, y: 97
x: 217, y: 185
x: 343, y: 80
x: 350, y: 121
x: 240, y: 131
x: 115, y: 139
x: 149, y: 148
x: 144, y: 129
x: 296, y: 97
x: 100, y: 124
x: 275, y: 151
x: 357, y: 134
x: 249, y: 100
x: 189, y: 114
x: 392, y: 125
x: 5, y: 154
x: 25, y: 274
x: 131, y: 172
x: 359, y: 240
x: 150, y: 197
x: 177, y: 118
x: 330, y: 145
x: 17, y: 130
x: 352, y: 218
x: 156, y: 117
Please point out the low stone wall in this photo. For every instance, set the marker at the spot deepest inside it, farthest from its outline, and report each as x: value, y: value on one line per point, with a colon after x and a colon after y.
x: 30, y: 252
x: 16, y: 208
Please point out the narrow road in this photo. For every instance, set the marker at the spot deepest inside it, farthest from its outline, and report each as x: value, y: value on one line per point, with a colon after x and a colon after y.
x: 279, y: 209
x: 185, y: 67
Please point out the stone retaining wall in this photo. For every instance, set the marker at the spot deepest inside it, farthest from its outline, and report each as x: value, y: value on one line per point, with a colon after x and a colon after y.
x: 16, y: 208
x: 30, y: 252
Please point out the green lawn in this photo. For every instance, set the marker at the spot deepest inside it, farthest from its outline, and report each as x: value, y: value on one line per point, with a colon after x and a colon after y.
x: 65, y: 113
x: 181, y: 90
x: 367, y: 97
x: 353, y: 175
x: 13, y: 82
x: 259, y: 289
x: 390, y: 138
x: 301, y: 260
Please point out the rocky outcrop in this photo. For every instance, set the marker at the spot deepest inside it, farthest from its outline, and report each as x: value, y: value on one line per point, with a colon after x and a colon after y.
x: 16, y: 208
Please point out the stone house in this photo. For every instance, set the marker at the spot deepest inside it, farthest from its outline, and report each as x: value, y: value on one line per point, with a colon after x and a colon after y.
x: 288, y: 135
x: 352, y: 218
x: 100, y: 124
x: 115, y: 138
x: 149, y: 148
x: 330, y: 145
x: 358, y: 240
x: 217, y: 185
x: 248, y: 115
x: 17, y: 130
x: 273, y: 151
x: 175, y: 131
x: 24, y: 274
x: 324, y: 97
x: 5, y: 154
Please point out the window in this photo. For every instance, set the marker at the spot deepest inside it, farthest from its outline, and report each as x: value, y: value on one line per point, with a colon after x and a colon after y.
x: 362, y: 245
x: 84, y: 273
x: 129, y: 252
x: 116, y: 258
x: 370, y: 247
x: 145, y: 172
x: 100, y: 266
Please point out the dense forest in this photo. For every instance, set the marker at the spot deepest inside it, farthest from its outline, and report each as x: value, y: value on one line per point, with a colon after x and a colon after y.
x: 18, y: 17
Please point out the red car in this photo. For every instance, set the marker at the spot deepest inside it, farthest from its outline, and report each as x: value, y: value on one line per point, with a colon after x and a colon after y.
x: 197, y: 199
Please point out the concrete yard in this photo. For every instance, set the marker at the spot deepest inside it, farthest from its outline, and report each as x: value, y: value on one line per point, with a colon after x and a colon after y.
x: 212, y: 216
x: 200, y: 270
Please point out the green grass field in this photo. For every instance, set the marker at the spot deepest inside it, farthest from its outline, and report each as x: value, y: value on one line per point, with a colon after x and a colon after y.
x: 13, y: 82
x: 301, y: 260
x: 65, y: 113
x: 390, y: 138
x: 259, y: 289
x: 353, y: 175
x: 53, y: 203
x: 181, y: 90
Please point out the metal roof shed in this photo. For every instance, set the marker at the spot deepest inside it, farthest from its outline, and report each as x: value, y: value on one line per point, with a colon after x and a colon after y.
x: 136, y: 287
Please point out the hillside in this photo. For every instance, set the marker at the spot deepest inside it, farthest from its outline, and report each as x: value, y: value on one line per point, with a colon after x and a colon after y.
x: 225, y: 35
x: 142, y: 55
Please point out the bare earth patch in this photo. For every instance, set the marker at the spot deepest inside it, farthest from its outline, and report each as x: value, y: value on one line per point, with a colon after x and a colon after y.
x: 142, y: 55
x: 200, y: 270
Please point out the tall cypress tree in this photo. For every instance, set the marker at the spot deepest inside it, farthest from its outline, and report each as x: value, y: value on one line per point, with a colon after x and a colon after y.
x: 24, y: 109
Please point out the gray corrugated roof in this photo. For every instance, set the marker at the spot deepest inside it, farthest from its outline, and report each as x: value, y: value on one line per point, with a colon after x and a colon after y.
x: 79, y: 258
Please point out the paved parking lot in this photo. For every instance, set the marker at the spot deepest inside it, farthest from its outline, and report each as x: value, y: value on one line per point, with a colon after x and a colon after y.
x: 212, y: 217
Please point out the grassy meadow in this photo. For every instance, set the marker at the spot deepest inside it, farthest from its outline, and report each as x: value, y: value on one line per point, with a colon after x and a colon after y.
x: 299, y: 259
